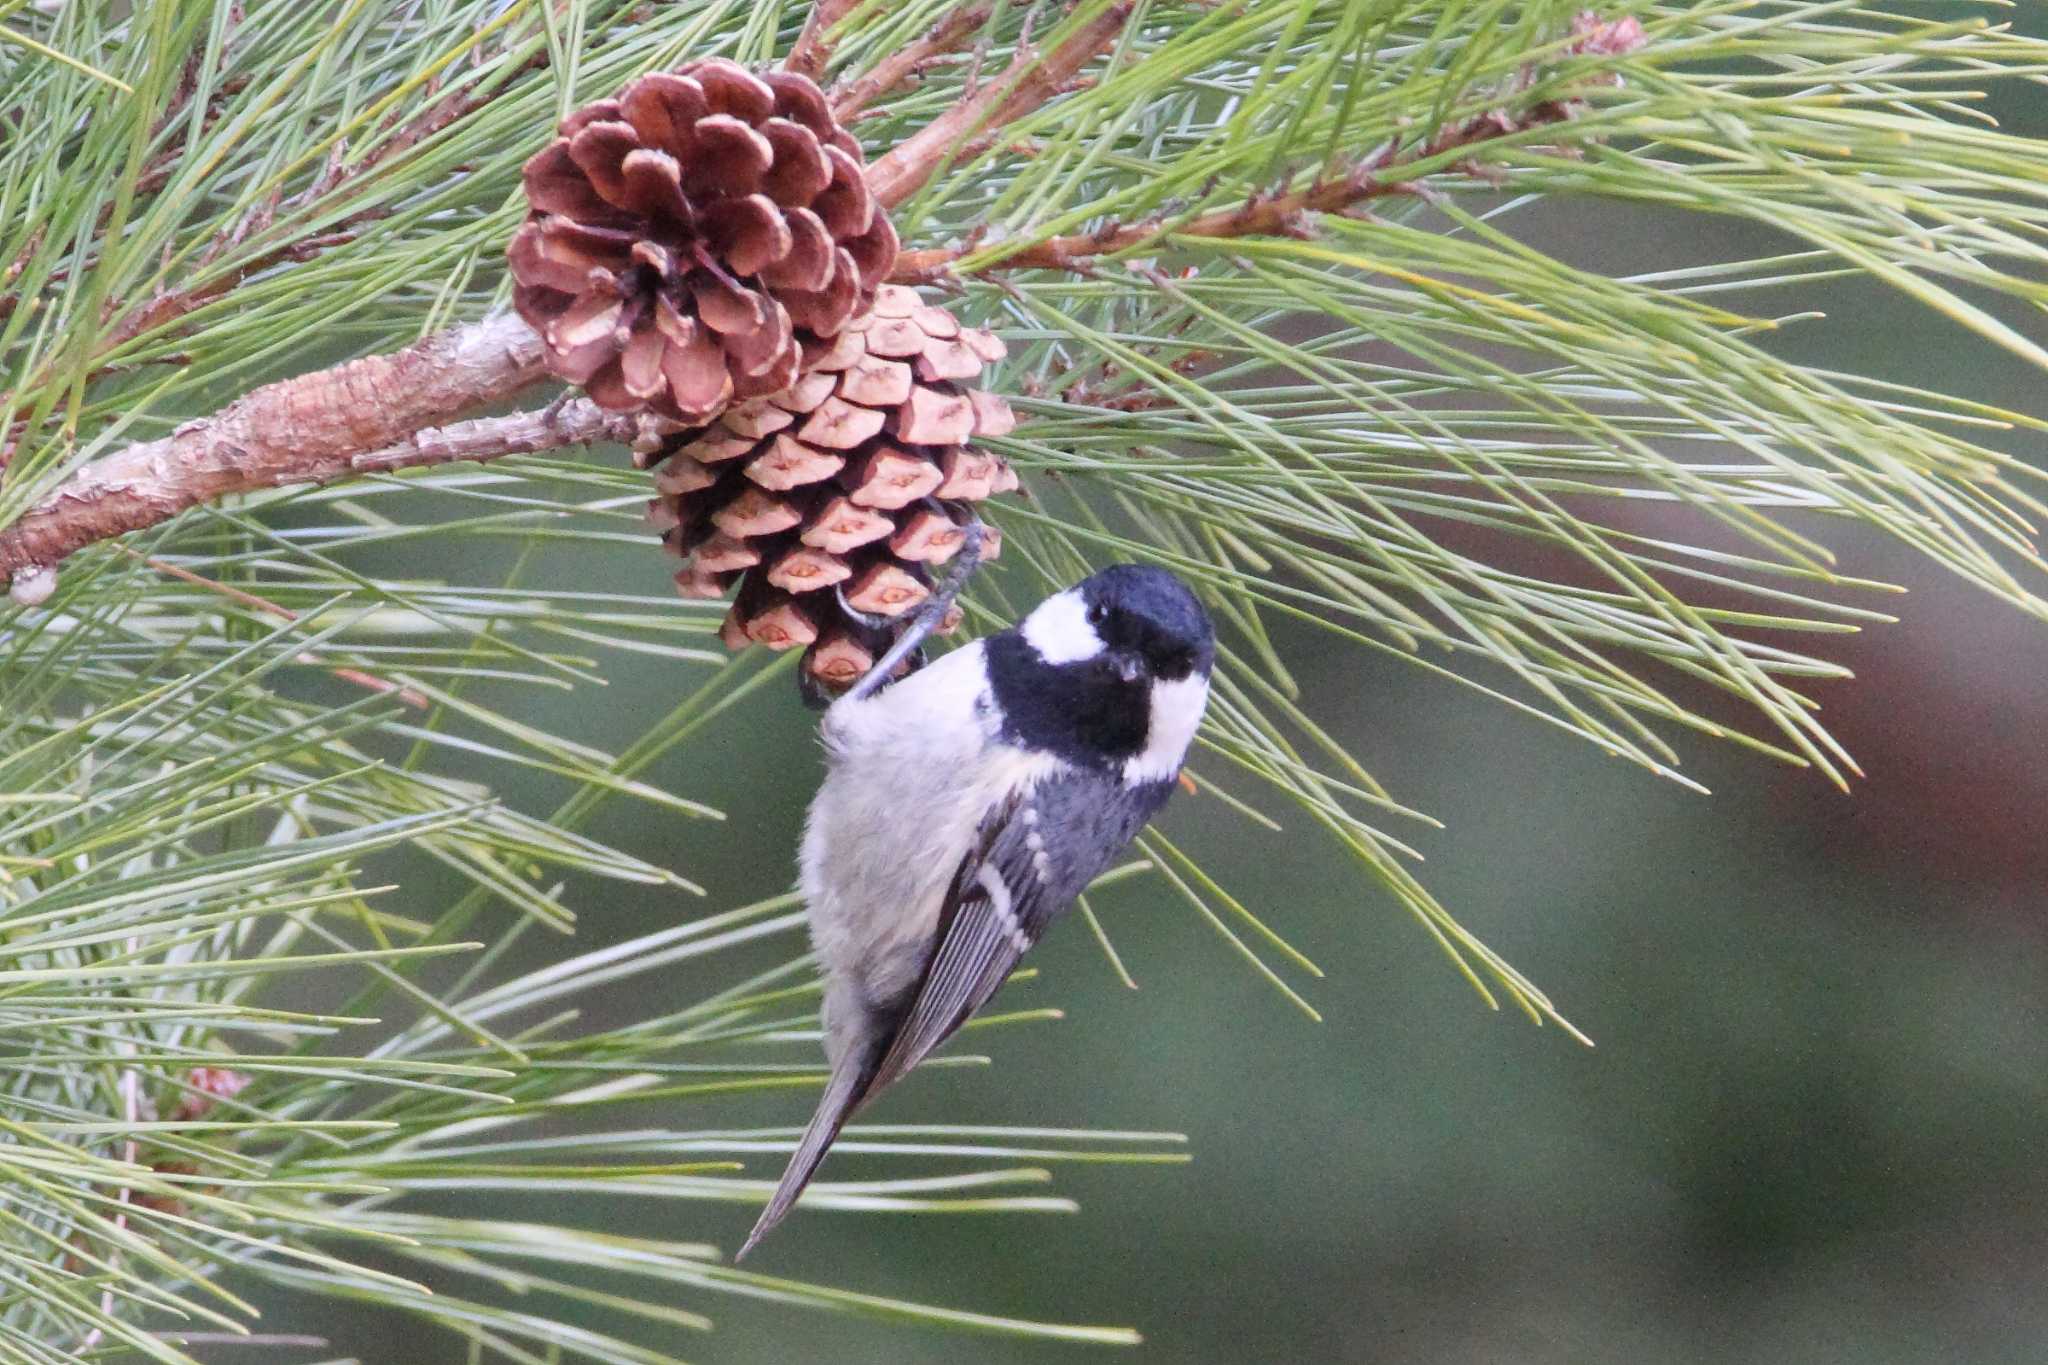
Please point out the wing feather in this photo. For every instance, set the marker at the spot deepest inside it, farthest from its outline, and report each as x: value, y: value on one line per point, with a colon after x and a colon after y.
x: 991, y: 916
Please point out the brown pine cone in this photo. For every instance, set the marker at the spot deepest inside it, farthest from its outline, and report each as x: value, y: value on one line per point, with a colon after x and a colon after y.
x: 688, y: 238
x: 855, y: 478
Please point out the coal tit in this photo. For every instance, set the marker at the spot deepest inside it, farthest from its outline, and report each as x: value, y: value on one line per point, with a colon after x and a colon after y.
x: 967, y: 805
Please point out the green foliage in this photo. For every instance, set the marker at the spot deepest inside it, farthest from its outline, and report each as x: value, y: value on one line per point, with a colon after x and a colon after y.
x: 1408, y: 428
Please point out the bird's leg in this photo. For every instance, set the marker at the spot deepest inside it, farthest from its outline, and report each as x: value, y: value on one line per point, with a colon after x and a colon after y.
x: 928, y: 616
x: 872, y: 620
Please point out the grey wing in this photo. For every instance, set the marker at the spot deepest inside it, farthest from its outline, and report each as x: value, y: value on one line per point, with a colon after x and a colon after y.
x: 1033, y: 855
x: 993, y: 911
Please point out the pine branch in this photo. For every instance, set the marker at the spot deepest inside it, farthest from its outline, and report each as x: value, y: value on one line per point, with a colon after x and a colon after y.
x: 347, y: 420
x: 338, y: 180
x: 367, y: 413
x: 1287, y: 214
x: 364, y: 414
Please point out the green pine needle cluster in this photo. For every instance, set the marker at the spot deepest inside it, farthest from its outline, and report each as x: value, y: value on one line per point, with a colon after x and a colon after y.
x: 1404, y: 428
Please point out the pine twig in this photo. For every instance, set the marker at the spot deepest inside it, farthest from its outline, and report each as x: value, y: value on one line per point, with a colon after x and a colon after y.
x: 1028, y: 84
x: 903, y: 64
x: 812, y: 50
x: 1378, y: 175
x: 1265, y: 216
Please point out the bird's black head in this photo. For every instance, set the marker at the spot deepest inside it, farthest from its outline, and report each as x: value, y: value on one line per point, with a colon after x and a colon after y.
x: 1088, y: 673
x: 1148, y: 617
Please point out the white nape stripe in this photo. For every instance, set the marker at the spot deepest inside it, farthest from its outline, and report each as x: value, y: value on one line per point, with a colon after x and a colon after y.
x: 1176, y: 712
x: 1058, y: 629
x: 999, y: 900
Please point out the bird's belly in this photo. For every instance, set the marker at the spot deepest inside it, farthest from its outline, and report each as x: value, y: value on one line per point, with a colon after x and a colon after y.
x: 898, y: 811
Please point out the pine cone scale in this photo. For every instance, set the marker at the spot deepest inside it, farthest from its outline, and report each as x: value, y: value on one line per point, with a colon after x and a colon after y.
x: 591, y: 318
x: 597, y: 111
x: 756, y: 351
x: 845, y: 206
x: 698, y: 380
x: 800, y: 172
x: 799, y: 99
x: 875, y: 381
x: 555, y: 184
x: 733, y: 91
x: 726, y: 156
x: 663, y: 108
x: 808, y: 264
x: 653, y: 183
x: 874, y: 252
x: 748, y: 234
x: 888, y: 479
x: 640, y: 363
x: 756, y: 418
x: 598, y: 151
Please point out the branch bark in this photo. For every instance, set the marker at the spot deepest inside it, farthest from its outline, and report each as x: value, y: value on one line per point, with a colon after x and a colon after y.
x: 366, y: 416
x: 811, y: 52
x: 1028, y: 83
x: 941, y: 38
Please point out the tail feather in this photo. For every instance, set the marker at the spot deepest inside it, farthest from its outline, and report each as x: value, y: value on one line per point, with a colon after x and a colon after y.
x: 843, y: 1093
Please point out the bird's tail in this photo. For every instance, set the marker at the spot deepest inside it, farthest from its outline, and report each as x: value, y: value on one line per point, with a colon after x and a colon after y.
x: 843, y: 1093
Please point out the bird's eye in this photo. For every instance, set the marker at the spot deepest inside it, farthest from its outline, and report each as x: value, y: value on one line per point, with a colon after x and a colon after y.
x: 1097, y: 614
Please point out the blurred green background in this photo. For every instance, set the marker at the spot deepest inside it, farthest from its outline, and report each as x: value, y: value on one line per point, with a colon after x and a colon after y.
x: 1810, y: 1132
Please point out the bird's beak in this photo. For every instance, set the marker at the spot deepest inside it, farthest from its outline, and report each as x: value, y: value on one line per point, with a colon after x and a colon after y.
x: 1128, y: 665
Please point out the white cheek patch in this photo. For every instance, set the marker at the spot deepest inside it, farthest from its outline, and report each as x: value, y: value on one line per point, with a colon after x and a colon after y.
x: 1058, y: 629
x: 1176, y: 713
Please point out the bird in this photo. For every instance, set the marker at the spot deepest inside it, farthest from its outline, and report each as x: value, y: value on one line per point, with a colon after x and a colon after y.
x: 966, y: 806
